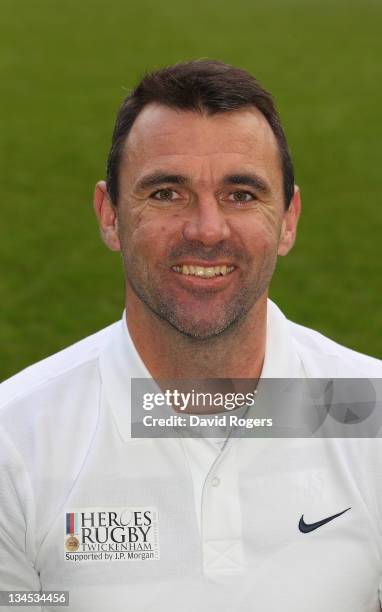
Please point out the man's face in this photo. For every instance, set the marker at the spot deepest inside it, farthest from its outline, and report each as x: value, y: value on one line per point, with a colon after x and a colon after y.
x: 200, y: 214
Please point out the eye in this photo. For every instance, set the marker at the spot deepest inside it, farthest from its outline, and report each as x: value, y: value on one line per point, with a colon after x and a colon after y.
x: 242, y: 196
x: 241, y: 199
x: 164, y: 195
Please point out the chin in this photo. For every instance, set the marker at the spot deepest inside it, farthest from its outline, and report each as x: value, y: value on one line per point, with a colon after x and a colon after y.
x: 201, y: 330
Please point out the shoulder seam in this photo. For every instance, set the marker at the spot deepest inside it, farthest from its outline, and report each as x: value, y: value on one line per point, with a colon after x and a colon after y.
x: 329, y: 346
x: 34, y: 387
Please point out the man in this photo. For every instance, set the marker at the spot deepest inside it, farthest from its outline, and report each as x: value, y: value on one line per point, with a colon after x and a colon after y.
x: 200, y: 200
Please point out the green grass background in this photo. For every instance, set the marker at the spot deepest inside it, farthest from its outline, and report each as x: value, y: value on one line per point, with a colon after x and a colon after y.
x: 65, y: 67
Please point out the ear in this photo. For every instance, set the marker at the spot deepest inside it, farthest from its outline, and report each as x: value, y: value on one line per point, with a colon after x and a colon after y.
x: 107, y: 217
x: 289, y: 224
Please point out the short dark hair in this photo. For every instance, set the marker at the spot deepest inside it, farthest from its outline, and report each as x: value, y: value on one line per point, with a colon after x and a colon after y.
x: 203, y: 86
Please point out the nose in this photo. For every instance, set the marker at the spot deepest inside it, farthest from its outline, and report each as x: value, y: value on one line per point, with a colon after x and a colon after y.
x: 207, y: 223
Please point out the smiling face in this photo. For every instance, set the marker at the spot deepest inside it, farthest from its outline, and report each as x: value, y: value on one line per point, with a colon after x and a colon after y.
x: 201, y: 216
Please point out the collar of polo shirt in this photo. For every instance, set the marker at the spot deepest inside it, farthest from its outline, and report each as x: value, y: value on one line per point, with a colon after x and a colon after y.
x: 120, y: 362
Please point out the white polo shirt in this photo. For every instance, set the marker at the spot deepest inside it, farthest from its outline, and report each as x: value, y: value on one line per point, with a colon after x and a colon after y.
x: 181, y: 524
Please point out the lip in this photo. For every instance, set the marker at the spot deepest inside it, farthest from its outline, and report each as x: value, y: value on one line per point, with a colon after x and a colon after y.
x: 204, y: 264
x: 200, y: 283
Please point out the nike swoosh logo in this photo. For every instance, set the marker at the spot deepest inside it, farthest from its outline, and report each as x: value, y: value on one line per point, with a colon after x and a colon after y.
x: 306, y: 528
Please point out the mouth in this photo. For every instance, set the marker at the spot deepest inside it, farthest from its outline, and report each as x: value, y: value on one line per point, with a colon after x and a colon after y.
x: 203, y: 271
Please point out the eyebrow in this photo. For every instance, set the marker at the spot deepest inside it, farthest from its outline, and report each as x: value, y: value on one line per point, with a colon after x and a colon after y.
x: 159, y: 178
x: 252, y: 180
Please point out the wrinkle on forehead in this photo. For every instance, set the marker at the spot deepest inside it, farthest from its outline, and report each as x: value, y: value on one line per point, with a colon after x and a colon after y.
x: 165, y: 131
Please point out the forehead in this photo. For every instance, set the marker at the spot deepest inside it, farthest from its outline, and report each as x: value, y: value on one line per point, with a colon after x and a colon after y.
x: 169, y: 136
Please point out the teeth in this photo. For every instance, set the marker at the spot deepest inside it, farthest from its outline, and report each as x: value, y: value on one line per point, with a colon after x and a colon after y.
x: 204, y: 272
x: 208, y: 272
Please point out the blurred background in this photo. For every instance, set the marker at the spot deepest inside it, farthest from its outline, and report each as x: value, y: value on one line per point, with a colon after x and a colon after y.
x: 65, y: 68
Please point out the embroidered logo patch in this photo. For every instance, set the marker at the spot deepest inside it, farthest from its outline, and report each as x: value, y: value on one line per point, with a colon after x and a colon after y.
x: 111, y: 534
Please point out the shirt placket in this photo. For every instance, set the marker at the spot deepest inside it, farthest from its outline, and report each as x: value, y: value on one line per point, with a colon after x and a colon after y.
x: 221, y: 522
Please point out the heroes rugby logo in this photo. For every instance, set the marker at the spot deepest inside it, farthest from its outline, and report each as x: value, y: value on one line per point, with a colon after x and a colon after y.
x: 111, y: 534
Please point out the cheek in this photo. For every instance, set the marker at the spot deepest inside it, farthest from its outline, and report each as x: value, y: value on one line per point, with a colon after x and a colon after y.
x: 259, y: 234
x: 150, y: 237
x: 271, y: 237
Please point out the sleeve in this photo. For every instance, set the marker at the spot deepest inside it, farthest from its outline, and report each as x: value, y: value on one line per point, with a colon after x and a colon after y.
x: 17, y: 571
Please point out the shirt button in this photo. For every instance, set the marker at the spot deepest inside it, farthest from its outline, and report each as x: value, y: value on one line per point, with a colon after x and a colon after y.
x: 215, y: 481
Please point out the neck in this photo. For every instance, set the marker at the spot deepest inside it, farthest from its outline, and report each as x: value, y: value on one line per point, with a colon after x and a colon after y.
x: 167, y: 353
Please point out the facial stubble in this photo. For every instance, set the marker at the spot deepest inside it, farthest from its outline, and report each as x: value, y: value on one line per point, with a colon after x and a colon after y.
x: 211, y: 322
